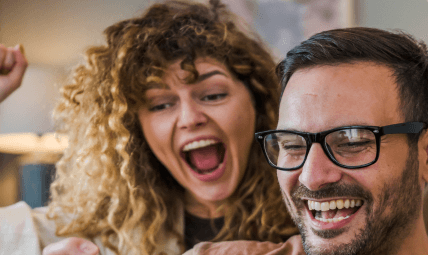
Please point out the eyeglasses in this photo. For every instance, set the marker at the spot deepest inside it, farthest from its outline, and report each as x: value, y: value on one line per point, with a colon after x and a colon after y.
x: 348, y: 147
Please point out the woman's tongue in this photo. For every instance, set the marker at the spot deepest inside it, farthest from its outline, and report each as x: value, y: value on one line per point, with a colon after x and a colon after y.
x: 205, y: 159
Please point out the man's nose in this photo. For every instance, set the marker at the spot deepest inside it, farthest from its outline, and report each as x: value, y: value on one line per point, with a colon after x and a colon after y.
x: 191, y: 116
x: 318, y: 169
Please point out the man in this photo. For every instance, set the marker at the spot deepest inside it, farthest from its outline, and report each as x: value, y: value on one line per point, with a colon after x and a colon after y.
x: 352, y: 175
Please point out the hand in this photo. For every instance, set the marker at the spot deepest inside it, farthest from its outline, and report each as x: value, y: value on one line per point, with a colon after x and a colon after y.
x: 12, y: 68
x: 71, y: 246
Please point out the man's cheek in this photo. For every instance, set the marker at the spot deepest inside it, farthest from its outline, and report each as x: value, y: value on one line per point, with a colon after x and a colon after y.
x: 288, y: 200
x: 288, y: 180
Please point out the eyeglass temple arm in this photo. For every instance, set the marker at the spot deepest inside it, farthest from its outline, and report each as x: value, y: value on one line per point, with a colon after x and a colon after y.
x: 403, y: 128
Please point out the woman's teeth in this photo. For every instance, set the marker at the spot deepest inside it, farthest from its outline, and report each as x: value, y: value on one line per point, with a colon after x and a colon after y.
x: 199, y: 144
x: 339, y: 204
x: 204, y: 156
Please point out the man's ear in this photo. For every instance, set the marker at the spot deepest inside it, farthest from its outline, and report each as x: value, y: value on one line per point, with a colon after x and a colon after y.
x: 423, y: 148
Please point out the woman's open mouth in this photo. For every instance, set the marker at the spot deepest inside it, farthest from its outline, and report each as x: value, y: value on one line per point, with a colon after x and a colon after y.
x: 334, y: 210
x: 204, y: 156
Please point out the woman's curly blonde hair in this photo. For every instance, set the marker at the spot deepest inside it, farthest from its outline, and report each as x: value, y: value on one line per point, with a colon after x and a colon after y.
x: 109, y: 184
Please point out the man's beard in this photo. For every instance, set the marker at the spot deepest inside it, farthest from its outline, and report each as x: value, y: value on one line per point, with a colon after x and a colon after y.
x: 382, y: 234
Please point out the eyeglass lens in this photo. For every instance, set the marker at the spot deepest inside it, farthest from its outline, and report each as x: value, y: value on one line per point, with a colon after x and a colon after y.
x: 349, y: 147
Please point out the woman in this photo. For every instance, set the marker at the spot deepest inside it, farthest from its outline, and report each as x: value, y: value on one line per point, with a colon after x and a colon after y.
x: 160, y: 124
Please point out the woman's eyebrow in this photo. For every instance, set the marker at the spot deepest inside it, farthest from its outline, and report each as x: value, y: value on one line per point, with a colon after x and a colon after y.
x: 157, y: 86
x: 200, y: 78
x: 208, y: 75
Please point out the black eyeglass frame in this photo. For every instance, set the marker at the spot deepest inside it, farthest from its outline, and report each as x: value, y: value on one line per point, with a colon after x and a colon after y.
x: 310, y: 138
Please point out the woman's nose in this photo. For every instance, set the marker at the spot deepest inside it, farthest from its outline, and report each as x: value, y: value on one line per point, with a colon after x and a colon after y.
x: 191, y: 116
x: 318, y: 169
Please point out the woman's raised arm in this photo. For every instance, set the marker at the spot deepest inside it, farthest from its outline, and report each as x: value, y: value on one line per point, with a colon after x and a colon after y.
x: 12, y: 68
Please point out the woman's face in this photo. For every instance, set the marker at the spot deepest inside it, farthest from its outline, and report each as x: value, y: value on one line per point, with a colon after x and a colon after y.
x: 201, y: 132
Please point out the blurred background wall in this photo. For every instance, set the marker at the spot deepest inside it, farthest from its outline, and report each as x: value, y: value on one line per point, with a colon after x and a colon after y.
x: 410, y: 15
x: 55, y: 35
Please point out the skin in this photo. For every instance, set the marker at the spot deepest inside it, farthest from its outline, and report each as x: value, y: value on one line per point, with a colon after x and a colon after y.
x: 71, y: 246
x: 326, y: 97
x: 12, y: 68
x: 215, y: 106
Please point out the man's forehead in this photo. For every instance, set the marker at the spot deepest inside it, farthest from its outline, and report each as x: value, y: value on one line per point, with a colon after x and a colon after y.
x: 340, y: 77
x: 340, y: 94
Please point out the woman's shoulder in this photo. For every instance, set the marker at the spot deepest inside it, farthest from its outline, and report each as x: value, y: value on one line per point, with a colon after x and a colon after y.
x: 46, y: 229
x: 24, y: 230
x: 18, y: 232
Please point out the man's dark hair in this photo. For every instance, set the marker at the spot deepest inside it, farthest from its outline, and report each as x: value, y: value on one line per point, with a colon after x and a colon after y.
x: 399, y: 51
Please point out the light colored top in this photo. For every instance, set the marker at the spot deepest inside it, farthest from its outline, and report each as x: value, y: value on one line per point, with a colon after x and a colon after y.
x: 27, y: 231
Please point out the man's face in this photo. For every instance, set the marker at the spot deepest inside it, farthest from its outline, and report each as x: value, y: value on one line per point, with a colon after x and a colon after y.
x: 387, y: 195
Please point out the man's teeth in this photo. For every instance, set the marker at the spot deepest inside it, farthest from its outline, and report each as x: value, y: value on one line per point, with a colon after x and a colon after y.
x: 331, y: 220
x: 199, y: 144
x: 332, y: 205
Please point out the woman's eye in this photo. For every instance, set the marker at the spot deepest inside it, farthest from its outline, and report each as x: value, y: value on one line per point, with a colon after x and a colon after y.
x: 160, y: 107
x: 214, y: 97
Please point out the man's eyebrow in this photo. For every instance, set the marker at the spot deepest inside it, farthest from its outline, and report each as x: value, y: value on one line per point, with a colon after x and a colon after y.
x: 208, y: 75
x: 329, y: 128
x: 288, y: 129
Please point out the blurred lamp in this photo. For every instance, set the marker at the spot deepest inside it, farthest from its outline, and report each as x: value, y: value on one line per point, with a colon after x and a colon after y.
x: 25, y: 143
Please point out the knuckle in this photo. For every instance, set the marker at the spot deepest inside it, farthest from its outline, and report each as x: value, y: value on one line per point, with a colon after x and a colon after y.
x: 10, y: 59
x: 3, y: 50
x: 49, y: 250
x: 64, y: 247
x: 72, y: 242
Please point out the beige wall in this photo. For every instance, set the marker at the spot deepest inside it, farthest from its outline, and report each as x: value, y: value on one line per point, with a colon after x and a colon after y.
x: 408, y: 15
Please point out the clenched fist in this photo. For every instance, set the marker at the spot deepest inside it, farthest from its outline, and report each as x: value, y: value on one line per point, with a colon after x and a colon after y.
x: 12, y: 68
x: 71, y: 246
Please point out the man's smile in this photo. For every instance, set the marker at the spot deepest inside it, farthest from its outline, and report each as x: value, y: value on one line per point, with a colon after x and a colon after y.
x: 334, y: 210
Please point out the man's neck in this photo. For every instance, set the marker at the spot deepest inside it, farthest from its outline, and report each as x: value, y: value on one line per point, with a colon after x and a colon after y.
x: 417, y: 242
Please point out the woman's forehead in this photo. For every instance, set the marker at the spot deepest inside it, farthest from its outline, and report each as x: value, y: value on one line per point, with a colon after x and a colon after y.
x: 202, y: 64
x: 206, y: 68
x: 202, y: 69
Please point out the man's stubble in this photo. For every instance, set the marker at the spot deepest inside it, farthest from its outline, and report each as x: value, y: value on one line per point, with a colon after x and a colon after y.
x: 398, y: 208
